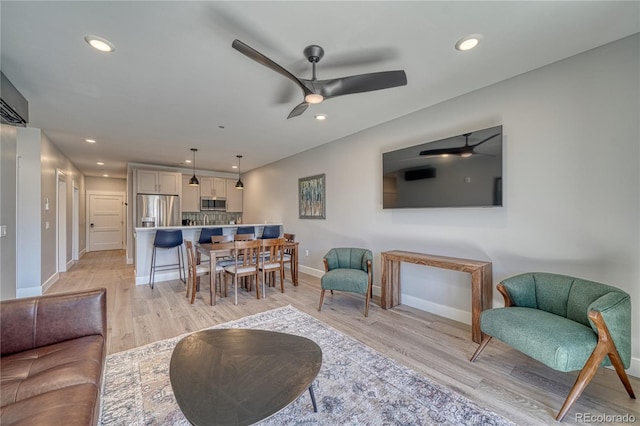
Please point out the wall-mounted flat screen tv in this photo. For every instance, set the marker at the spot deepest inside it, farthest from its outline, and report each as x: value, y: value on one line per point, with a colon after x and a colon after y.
x: 460, y: 171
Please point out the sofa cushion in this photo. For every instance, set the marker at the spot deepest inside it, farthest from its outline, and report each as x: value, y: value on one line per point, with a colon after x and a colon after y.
x: 558, y: 342
x: 70, y: 406
x: 354, y: 280
x: 50, y: 368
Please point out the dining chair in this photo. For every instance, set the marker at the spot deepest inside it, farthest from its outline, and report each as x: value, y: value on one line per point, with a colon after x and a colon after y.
x: 288, y: 252
x: 271, y: 261
x: 194, y: 271
x: 245, y: 265
x: 223, y: 260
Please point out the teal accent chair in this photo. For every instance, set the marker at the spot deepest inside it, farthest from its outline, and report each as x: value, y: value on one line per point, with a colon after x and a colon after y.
x: 348, y: 269
x: 567, y: 323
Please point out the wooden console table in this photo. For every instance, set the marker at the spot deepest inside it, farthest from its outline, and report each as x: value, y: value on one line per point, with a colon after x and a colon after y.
x: 481, y: 280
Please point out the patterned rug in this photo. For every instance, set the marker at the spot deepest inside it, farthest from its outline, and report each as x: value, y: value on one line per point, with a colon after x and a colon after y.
x: 356, y: 385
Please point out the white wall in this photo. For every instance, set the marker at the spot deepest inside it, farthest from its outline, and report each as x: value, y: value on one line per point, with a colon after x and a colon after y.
x: 29, y: 282
x: 8, y: 152
x: 93, y: 183
x: 571, y: 185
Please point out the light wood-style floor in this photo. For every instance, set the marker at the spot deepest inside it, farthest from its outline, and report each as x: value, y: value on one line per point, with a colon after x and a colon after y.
x: 501, y: 380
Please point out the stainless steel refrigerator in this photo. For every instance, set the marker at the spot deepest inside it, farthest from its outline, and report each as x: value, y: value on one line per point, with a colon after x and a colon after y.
x: 158, y: 210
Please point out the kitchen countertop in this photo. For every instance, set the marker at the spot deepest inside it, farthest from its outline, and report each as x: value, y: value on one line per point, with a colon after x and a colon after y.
x: 261, y: 225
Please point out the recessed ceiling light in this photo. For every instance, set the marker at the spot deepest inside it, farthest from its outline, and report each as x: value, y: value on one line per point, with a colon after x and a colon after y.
x: 100, y: 163
x: 187, y: 161
x: 90, y: 140
x: 234, y: 167
x: 321, y: 117
x: 105, y: 175
x: 99, y: 43
x: 468, y: 42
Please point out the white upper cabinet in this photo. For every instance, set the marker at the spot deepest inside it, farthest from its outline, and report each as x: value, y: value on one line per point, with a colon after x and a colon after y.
x: 158, y: 182
x: 213, y: 187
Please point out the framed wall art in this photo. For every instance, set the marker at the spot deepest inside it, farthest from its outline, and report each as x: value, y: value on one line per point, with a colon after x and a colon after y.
x: 311, y: 197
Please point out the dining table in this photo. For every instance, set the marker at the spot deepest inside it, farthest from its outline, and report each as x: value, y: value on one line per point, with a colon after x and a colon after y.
x: 216, y: 251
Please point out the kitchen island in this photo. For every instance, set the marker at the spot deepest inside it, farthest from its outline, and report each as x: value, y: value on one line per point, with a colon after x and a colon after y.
x: 143, y: 246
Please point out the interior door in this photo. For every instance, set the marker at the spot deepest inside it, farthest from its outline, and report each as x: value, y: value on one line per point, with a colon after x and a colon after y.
x: 105, y: 222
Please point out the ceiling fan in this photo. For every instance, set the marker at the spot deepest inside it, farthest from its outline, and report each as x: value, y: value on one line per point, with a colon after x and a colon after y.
x: 463, y: 151
x: 314, y: 90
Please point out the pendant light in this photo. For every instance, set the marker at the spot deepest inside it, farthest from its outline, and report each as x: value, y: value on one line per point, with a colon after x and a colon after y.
x: 194, y: 180
x: 239, y: 184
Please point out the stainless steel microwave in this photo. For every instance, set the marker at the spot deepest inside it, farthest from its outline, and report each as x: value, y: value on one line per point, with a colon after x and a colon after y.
x: 213, y: 203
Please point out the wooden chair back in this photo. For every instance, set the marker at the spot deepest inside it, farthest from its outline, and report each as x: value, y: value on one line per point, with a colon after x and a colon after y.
x: 216, y: 239
x: 244, y: 237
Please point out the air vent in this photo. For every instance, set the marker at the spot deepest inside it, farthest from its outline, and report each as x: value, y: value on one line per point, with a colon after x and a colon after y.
x: 14, y: 108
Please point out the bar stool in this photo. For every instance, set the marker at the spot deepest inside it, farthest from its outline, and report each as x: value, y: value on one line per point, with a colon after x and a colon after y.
x: 167, y: 239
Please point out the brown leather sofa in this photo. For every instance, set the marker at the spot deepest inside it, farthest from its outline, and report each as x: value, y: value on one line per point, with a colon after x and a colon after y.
x: 53, y: 353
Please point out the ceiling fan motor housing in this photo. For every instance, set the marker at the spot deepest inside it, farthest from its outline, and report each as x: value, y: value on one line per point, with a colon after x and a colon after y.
x: 313, y: 53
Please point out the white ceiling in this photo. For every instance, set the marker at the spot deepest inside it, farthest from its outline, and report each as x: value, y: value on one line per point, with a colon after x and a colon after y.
x: 174, y: 78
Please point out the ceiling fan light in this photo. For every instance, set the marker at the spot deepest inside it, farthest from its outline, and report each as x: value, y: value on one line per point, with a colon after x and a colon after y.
x: 313, y: 98
x: 466, y: 154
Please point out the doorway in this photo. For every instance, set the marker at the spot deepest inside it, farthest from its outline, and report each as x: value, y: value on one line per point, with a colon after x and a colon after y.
x: 61, y: 222
x: 75, y: 237
x: 105, y: 214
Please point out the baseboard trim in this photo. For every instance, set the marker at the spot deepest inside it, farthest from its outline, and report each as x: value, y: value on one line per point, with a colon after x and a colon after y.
x: 82, y: 253
x: 634, y: 368
x: 435, y: 308
x: 21, y: 293
x: 311, y: 271
x: 48, y: 283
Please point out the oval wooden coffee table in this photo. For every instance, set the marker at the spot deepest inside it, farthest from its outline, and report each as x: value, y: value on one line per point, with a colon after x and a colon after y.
x: 239, y: 377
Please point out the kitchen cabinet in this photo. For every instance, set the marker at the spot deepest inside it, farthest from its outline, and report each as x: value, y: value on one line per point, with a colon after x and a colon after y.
x: 158, y: 182
x: 190, y: 196
x: 213, y: 187
x: 234, y: 197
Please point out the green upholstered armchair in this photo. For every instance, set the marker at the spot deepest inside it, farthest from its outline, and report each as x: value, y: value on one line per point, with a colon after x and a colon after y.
x: 567, y: 323
x: 348, y: 269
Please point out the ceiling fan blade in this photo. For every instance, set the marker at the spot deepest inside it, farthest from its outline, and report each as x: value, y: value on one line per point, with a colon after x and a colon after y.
x: 361, y: 83
x: 443, y: 151
x: 261, y: 59
x: 298, y: 110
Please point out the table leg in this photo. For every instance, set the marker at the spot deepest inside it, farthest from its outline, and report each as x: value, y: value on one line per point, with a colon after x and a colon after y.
x: 212, y: 277
x: 481, y: 299
x: 295, y: 266
x: 313, y: 399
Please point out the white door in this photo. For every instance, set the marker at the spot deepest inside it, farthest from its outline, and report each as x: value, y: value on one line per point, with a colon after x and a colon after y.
x: 105, y: 222
x: 62, y: 223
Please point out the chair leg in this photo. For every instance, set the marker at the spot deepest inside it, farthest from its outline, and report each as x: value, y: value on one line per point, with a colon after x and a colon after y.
x: 153, y: 267
x: 321, y: 299
x: 483, y: 344
x: 282, y: 280
x: 366, y: 302
x: 194, y: 282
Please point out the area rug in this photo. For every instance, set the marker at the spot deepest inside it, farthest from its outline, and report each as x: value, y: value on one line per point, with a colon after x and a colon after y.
x: 356, y: 384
